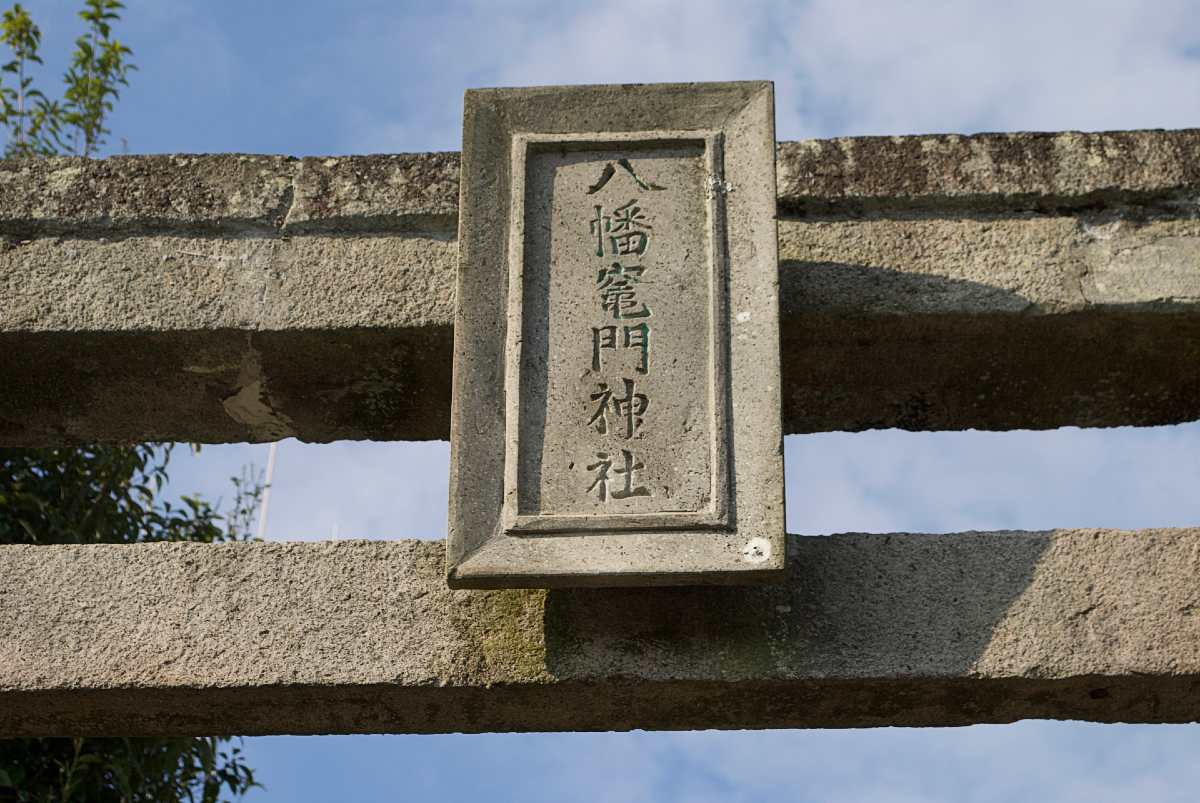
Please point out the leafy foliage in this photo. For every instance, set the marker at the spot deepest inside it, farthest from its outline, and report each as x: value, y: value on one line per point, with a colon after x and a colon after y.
x: 38, y: 126
x: 33, y: 123
x: 105, y: 494
x: 97, y: 67
x: 124, y: 770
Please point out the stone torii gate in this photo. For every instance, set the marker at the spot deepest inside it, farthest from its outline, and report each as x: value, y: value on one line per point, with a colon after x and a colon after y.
x: 998, y: 281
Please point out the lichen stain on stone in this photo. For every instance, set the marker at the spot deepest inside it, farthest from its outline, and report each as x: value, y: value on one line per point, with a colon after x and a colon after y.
x: 506, y: 631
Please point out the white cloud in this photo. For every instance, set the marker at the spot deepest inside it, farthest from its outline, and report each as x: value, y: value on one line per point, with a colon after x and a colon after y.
x: 931, y: 66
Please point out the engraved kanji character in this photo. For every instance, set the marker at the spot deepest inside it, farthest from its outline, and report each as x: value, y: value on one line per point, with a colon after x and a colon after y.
x: 624, y: 229
x: 609, y: 171
x: 631, y: 408
x: 602, y: 479
x: 617, y: 293
x: 627, y: 220
x: 603, y: 464
x: 636, y: 337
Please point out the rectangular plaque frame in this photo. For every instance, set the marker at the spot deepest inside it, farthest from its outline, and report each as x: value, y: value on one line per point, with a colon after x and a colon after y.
x: 510, y: 522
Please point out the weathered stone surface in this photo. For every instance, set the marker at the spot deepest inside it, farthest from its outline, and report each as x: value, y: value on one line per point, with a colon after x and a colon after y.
x: 671, y: 210
x: 990, y: 282
x: 355, y: 384
x: 249, y: 284
x: 998, y: 282
x: 373, y: 193
x: 1048, y: 172
x: 80, y: 197
x: 1043, y: 172
x: 223, y: 193
x: 354, y: 637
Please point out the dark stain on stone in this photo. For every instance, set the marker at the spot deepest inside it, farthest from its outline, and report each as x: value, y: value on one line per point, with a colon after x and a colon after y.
x: 1051, y: 173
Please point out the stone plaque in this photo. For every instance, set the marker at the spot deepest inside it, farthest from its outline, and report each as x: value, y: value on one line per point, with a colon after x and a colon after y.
x: 616, y: 377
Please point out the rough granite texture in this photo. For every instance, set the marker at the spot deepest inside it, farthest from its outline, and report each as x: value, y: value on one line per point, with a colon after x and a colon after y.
x: 362, y: 637
x: 997, y: 281
x: 1046, y: 172
x: 702, y: 496
x: 223, y: 193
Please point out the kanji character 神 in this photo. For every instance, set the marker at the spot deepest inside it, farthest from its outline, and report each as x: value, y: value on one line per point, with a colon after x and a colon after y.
x: 630, y: 409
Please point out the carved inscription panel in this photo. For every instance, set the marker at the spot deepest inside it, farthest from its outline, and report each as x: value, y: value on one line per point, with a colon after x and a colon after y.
x: 620, y: 384
x: 616, y: 341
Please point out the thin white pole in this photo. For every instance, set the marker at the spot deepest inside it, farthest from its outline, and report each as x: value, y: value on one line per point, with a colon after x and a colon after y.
x: 262, y: 519
x: 335, y: 532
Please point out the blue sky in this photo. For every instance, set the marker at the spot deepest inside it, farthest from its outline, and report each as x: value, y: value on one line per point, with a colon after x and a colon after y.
x: 315, y: 78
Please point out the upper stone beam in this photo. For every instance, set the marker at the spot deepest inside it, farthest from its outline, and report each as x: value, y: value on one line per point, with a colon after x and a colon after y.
x: 996, y: 172
x: 1042, y: 172
x: 223, y: 194
x: 998, y: 281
